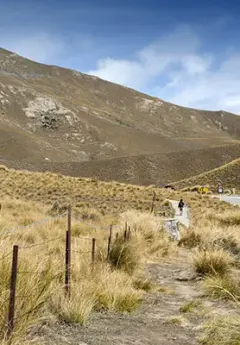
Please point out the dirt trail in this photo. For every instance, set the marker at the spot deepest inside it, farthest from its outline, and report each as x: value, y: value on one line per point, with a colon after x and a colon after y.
x: 155, y: 323
x: 151, y: 324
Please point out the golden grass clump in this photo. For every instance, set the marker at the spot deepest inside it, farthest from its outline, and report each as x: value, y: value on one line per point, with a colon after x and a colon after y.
x: 148, y: 229
x: 226, y: 287
x: 125, y: 255
x: 222, y: 331
x: 229, y: 219
x: 212, y: 262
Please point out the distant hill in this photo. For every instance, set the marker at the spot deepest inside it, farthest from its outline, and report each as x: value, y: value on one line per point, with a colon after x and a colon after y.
x: 56, y: 118
x: 155, y: 169
x: 228, y: 174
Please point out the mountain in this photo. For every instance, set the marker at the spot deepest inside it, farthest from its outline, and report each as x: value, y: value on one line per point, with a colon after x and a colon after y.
x: 228, y: 174
x: 63, y: 117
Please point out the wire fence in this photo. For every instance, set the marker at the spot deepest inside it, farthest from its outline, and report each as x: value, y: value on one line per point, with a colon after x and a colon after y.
x: 66, y: 272
x: 39, y: 222
x: 70, y: 247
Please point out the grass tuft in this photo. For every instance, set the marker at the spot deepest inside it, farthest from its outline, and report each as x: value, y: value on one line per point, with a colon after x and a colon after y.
x: 227, y: 287
x: 212, y: 262
x: 222, y: 331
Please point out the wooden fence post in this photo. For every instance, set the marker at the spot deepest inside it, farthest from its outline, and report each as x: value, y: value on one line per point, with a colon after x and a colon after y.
x: 12, y: 296
x: 129, y: 233
x: 68, y: 253
x: 109, y: 242
x: 69, y: 218
x: 125, y: 231
x: 68, y: 263
x: 93, y: 252
x: 153, y: 201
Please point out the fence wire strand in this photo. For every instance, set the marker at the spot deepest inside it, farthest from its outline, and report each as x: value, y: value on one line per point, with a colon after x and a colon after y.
x: 79, y: 252
x: 41, y: 243
x: 42, y: 221
x: 82, y: 238
x: 116, y: 227
x: 5, y: 256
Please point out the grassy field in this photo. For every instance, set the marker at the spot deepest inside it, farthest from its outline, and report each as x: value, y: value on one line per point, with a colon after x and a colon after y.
x: 229, y: 174
x: 81, y: 193
x: 119, y: 284
x: 116, y: 285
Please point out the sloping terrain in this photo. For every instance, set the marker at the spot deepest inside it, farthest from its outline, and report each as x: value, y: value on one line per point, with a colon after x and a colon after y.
x: 81, y: 193
x: 63, y: 115
x: 158, y: 169
x: 228, y: 174
x: 64, y: 121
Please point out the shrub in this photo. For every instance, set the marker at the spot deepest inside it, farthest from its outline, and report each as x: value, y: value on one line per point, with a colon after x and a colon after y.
x: 75, y: 309
x: 124, y: 255
x: 216, y: 262
x: 223, y: 287
x: 190, y: 239
x: 229, y: 219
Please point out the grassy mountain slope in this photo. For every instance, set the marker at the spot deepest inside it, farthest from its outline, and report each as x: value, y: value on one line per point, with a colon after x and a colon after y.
x: 228, y: 174
x: 156, y: 169
x: 51, y: 115
x: 82, y: 194
x: 80, y: 117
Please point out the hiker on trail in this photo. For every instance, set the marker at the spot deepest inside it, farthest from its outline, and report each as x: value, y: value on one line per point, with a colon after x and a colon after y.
x: 180, y: 206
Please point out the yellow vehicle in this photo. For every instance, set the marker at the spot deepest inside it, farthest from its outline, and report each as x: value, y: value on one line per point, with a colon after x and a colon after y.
x: 203, y: 190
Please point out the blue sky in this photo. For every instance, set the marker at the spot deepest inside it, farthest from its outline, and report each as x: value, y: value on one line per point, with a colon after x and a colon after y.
x: 186, y: 52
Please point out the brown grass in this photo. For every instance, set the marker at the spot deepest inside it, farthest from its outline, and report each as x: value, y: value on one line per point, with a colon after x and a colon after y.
x: 212, y: 262
x: 81, y: 193
x: 117, y: 285
x: 228, y: 174
x: 222, y: 331
x: 226, y: 287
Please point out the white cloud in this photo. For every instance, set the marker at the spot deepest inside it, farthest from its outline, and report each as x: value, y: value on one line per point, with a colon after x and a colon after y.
x: 39, y: 47
x: 174, y: 68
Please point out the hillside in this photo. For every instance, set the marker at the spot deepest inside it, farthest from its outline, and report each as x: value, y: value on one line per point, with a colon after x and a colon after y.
x: 51, y: 114
x: 158, y: 169
x: 228, y: 174
x: 82, y: 193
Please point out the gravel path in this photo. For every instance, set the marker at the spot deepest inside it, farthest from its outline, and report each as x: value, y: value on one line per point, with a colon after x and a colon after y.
x: 184, y: 218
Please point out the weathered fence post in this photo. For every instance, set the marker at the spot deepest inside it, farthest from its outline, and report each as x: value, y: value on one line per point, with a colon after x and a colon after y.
x: 153, y: 202
x: 69, y: 218
x: 68, y: 253
x: 129, y: 233
x: 93, y: 252
x: 12, y: 296
x: 68, y: 263
x: 125, y: 231
x: 109, y: 242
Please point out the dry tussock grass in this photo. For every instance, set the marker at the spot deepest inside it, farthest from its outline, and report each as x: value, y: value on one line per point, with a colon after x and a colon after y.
x: 226, y: 287
x: 212, y: 262
x: 116, y: 285
x: 222, y: 331
x: 83, y: 193
x: 228, y: 173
